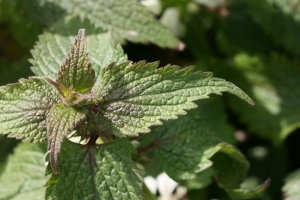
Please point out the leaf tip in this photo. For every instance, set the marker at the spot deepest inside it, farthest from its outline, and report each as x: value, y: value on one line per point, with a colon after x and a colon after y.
x: 54, y: 162
x: 267, y: 182
x: 261, y: 188
x: 251, y: 102
x: 81, y: 32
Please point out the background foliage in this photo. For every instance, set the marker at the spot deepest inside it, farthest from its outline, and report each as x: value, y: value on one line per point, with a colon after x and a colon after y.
x: 251, y: 43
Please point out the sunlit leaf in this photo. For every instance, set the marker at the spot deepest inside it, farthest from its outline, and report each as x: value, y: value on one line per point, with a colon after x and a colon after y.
x: 95, y: 172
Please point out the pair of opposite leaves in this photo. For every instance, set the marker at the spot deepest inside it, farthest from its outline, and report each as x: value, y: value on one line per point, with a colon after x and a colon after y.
x: 125, y: 100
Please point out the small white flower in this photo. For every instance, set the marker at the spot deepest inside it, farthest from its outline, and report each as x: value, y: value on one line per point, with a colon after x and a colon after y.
x: 166, y: 186
x: 151, y: 184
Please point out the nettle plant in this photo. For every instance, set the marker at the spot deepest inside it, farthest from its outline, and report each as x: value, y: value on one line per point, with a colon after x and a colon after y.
x: 91, y: 115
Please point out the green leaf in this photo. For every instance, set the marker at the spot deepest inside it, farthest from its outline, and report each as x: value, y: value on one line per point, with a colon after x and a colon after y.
x: 291, y: 186
x: 76, y: 71
x: 203, y: 179
x: 192, y: 146
x: 23, y: 176
x: 273, y: 83
x: 53, y: 46
x: 103, y: 171
x: 127, y: 19
x: 240, y: 26
x: 134, y: 96
x: 279, y: 19
x: 238, y: 194
x: 230, y: 169
x: 186, y: 144
x: 230, y: 166
x: 23, y: 109
x: 60, y: 121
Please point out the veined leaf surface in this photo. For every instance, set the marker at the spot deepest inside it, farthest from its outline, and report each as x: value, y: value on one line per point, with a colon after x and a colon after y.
x: 60, y: 121
x: 76, y: 71
x: 134, y: 96
x: 23, y: 108
x: 95, y: 172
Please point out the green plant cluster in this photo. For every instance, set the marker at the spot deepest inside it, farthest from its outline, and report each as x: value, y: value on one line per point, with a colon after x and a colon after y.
x: 102, y: 119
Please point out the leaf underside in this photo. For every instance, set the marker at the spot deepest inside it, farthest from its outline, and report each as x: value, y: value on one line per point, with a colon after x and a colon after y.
x: 126, y: 19
x: 95, y: 172
x: 60, y: 121
x: 136, y: 96
x: 76, y: 70
x: 23, y: 109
